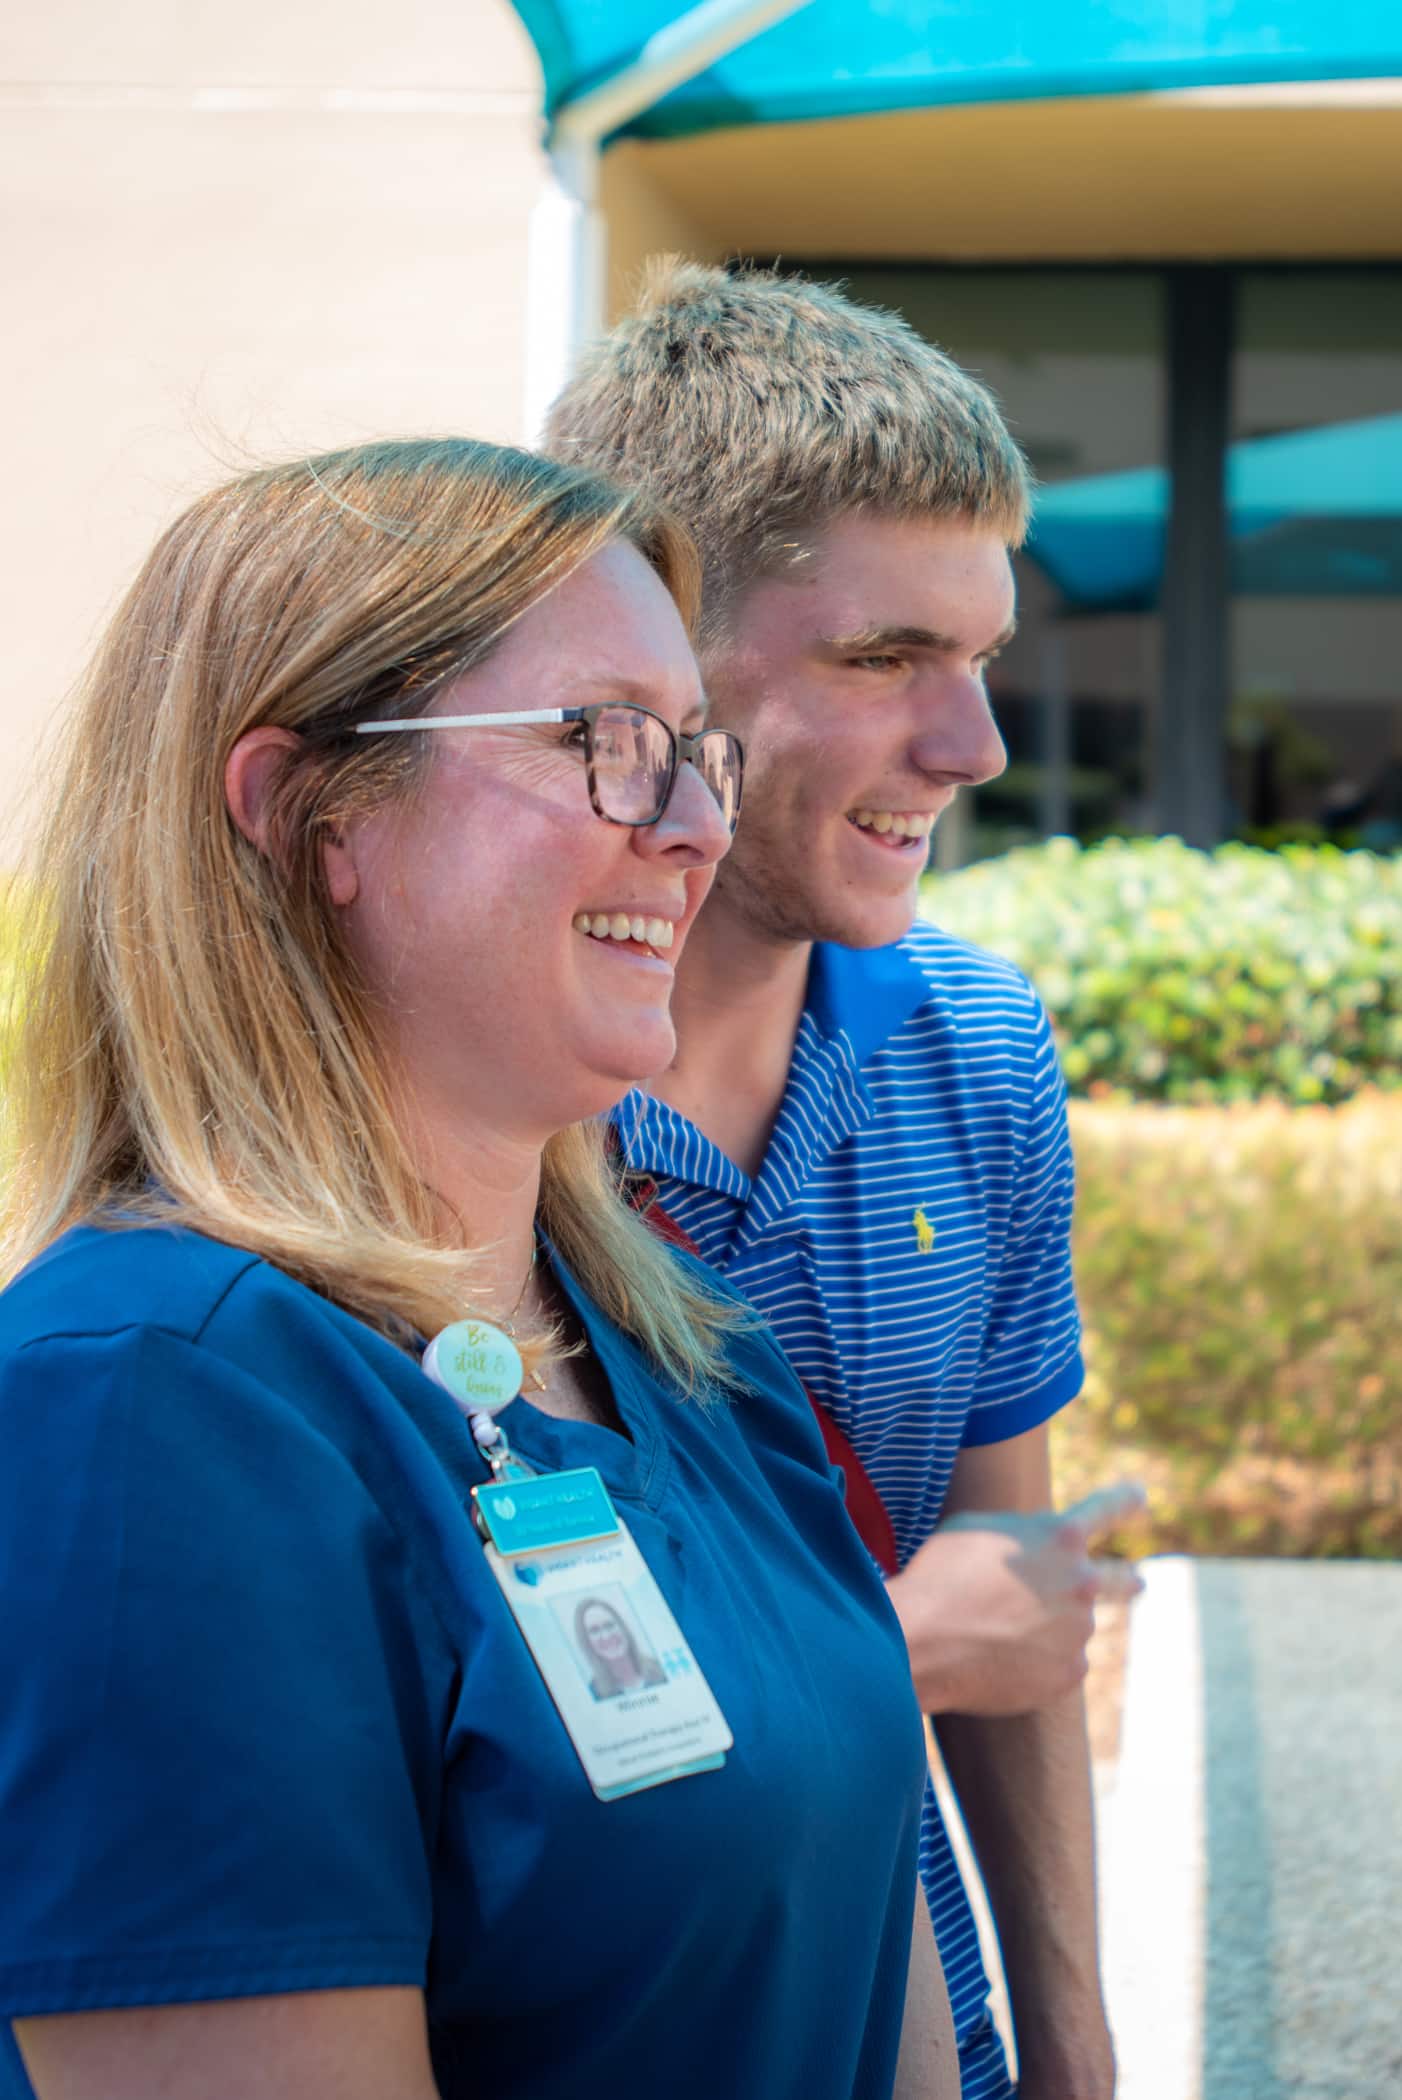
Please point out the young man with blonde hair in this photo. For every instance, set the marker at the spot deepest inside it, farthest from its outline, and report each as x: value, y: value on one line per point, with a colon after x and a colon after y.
x: 865, y: 1124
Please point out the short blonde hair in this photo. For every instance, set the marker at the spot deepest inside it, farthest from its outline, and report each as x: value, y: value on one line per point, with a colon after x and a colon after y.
x: 196, y: 1044
x: 760, y: 407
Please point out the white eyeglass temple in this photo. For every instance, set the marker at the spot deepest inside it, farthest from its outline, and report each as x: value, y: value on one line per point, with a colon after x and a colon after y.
x: 540, y: 714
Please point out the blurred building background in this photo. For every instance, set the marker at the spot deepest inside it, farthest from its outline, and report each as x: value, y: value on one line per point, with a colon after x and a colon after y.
x: 1172, y: 244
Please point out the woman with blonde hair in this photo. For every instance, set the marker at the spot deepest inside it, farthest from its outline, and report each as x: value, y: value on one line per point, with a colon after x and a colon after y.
x: 335, y: 1368
x: 610, y: 1651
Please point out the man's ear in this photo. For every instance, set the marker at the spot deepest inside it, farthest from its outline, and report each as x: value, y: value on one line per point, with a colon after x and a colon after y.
x: 251, y: 776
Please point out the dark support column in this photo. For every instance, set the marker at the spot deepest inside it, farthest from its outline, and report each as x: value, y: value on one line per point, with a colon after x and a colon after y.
x: 1054, y: 793
x: 1191, y: 735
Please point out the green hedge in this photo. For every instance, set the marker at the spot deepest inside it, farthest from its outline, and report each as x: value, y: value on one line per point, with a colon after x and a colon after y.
x: 1180, y: 976
x: 1240, y: 1272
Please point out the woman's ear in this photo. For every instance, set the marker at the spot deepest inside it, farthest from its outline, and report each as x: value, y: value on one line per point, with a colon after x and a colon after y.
x: 251, y: 777
x: 254, y: 768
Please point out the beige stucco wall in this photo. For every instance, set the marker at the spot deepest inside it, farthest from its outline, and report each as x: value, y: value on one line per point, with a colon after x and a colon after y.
x: 644, y: 218
x: 228, y: 232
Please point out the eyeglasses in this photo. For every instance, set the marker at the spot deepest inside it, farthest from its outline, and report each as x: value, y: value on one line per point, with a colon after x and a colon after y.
x: 631, y: 756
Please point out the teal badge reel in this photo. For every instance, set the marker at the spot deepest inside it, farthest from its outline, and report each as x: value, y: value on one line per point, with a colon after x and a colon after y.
x: 479, y: 1365
x: 482, y: 1370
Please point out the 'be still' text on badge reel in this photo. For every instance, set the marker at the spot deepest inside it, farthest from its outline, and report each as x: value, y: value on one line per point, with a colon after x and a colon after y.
x: 479, y: 1365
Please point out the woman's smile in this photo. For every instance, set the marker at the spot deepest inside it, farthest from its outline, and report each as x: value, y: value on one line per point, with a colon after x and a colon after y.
x: 648, y: 931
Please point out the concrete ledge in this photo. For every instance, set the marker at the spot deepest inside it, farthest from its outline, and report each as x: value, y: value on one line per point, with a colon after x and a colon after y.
x: 1252, y: 1841
x: 1151, y: 1841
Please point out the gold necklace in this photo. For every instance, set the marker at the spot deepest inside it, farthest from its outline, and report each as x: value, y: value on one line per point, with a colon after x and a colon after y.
x: 535, y: 1383
x: 509, y: 1322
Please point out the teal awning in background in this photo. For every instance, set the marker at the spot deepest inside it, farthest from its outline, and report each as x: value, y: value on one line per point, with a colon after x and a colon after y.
x: 1311, y: 513
x: 838, y: 58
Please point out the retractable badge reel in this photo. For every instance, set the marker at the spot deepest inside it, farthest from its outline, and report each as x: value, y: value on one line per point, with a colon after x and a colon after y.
x: 613, y: 1658
x: 481, y: 1368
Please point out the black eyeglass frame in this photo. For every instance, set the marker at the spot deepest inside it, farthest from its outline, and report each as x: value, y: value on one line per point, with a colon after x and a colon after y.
x: 684, y: 749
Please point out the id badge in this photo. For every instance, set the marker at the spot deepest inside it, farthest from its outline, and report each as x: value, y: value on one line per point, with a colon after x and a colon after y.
x: 614, y: 1660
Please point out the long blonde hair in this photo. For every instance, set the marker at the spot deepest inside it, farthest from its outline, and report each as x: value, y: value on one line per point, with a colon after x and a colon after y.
x: 195, y: 1043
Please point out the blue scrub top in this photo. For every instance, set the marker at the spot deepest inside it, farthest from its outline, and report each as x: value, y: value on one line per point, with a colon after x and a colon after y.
x: 268, y: 1726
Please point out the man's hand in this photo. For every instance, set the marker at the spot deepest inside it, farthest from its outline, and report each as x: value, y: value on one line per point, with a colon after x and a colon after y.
x: 997, y: 1607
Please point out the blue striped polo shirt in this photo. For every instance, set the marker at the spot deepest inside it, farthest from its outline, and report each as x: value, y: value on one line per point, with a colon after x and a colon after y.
x: 908, y: 1238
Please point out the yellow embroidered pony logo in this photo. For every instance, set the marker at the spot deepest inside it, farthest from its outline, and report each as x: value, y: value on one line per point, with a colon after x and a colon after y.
x: 924, y: 1233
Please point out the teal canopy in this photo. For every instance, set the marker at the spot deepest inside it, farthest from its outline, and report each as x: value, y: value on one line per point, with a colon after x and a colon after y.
x: 1311, y: 513
x: 838, y: 58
